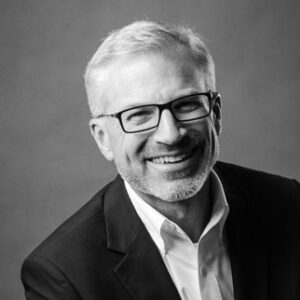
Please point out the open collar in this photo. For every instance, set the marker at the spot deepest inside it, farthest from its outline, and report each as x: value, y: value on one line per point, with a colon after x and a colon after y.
x: 155, y: 222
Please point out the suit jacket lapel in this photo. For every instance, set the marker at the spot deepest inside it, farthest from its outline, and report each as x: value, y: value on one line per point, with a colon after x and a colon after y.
x: 246, y: 241
x: 141, y: 270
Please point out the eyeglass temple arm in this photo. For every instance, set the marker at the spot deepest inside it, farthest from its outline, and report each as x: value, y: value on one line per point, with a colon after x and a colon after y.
x: 116, y: 115
x: 215, y: 96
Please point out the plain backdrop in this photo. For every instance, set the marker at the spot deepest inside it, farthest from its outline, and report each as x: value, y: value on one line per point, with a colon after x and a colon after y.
x: 50, y: 165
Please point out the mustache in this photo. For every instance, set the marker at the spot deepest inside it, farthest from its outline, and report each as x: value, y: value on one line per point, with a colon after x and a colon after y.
x: 187, y: 143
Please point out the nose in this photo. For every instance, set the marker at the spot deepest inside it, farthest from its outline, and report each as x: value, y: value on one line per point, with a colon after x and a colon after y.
x: 169, y: 131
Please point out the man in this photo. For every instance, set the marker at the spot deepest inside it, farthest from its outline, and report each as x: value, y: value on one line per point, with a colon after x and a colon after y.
x: 174, y: 224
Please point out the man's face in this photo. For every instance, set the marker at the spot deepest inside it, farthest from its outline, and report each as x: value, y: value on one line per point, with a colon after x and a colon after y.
x: 172, y: 161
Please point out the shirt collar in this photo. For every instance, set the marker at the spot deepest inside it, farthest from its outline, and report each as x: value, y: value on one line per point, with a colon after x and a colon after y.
x: 220, y: 206
x: 155, y: 222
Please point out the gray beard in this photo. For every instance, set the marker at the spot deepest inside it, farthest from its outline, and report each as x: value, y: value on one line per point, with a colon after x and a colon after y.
x: 187, y: 188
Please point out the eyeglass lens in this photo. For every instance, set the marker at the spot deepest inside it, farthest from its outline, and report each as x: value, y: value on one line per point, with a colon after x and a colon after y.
x: 184, y: 109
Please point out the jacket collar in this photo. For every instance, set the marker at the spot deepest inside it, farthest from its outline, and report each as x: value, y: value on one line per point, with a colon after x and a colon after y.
x: 122, y: 223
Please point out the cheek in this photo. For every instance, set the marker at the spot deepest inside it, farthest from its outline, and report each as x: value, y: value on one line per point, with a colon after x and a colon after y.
x: 201, y: 129
x: 209, y: 127
x: 117, y: 140
x: 129, y: 148
x: 203, y: 134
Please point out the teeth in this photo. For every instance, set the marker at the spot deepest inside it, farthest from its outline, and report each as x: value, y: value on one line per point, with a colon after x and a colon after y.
x: 169, y: 159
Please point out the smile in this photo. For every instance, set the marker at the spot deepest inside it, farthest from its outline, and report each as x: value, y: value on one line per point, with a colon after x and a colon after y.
x: 171, y: 159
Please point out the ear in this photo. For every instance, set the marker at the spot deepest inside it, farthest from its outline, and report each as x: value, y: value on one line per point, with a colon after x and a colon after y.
x: 217, y: 114
x: 101, y: 136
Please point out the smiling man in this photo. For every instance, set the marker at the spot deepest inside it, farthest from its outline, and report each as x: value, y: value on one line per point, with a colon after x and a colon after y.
x: 175, y: 223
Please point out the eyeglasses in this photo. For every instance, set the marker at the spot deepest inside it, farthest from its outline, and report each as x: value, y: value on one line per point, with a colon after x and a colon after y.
x: 184, y: 109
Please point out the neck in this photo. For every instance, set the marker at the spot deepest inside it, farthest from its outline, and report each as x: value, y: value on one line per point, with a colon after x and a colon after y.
x: 192, y: 214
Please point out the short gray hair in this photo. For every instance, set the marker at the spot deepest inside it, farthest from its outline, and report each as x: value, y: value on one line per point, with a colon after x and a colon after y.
x: 139, y: 37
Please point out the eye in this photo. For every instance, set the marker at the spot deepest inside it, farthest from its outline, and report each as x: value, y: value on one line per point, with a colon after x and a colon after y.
x: 138, y: 115
x: 187, y: 107
x: 188, y: 104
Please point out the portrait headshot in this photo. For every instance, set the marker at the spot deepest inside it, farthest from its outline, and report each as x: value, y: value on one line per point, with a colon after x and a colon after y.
x: 150, y: 150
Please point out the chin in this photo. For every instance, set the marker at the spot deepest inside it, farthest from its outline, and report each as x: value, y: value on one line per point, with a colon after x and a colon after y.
x: 170, y: 190
x: 179, y: 190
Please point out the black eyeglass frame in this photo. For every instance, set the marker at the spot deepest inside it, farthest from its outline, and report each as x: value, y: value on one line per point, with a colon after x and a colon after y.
x: 212, y: 96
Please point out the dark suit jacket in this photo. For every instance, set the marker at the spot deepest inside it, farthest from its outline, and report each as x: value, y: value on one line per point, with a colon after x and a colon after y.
x: 105, y: 252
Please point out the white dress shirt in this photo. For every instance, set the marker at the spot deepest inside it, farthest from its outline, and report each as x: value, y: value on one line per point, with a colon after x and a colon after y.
x: 200, y: 271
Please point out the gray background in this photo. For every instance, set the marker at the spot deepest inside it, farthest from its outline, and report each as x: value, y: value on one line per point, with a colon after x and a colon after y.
x: 50, y: 165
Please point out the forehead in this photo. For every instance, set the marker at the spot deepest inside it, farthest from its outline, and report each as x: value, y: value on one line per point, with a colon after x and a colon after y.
x: 152, y: 78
